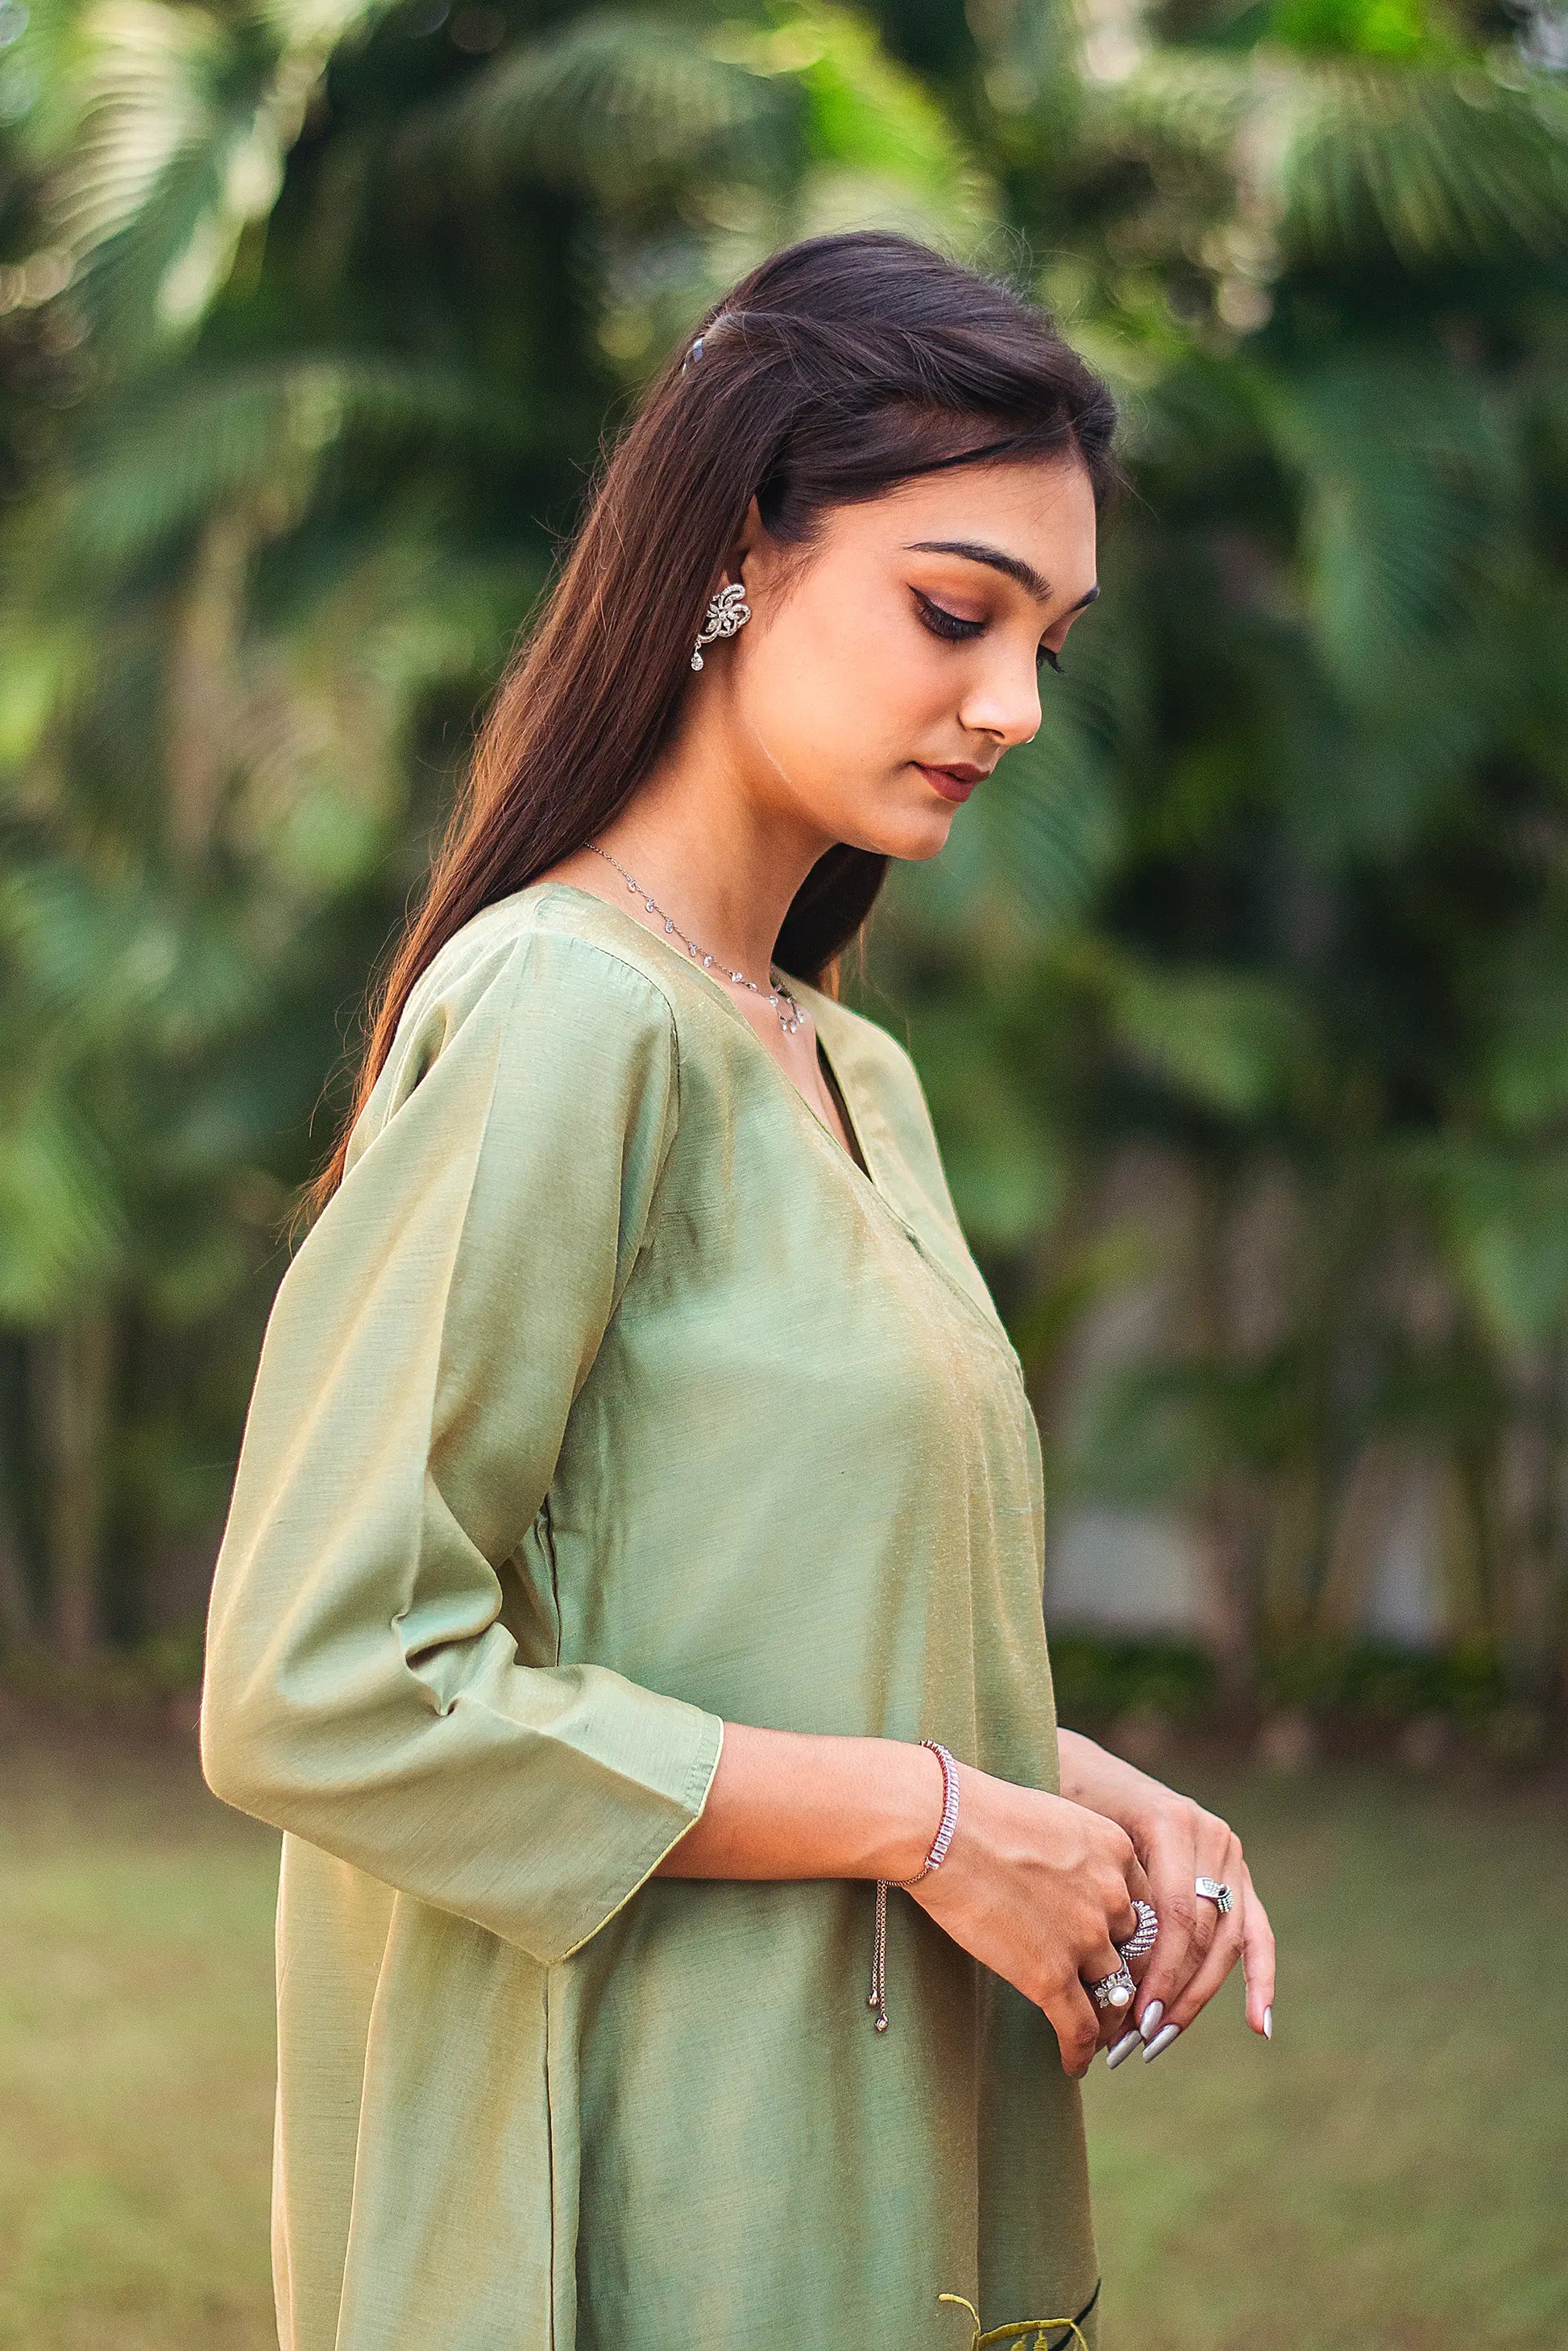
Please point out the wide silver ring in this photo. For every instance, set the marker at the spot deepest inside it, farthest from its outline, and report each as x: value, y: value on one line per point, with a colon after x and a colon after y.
x: 1143, y: 1939
x: 1212, y: 1890
x: 1113, y: 1990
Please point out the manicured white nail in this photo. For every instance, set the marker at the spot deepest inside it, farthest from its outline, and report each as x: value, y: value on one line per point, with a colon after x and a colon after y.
x: 1149, y: 2023
x: 1269, y: 2022
x: 1161, y: 2040
x: 1124, y: 2048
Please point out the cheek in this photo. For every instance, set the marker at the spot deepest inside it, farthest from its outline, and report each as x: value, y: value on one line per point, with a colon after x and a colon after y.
x: 847, y: 681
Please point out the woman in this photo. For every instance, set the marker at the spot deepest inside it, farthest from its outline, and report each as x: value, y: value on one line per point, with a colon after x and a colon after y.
x: 636, y: 1549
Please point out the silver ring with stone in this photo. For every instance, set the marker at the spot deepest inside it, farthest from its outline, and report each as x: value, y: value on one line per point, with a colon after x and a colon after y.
x: 1212, y: 1890
x: 1113, y: 1990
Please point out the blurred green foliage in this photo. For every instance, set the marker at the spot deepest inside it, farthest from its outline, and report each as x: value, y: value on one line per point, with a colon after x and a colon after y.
x: 1248, y: 992
x: 1101, y: 1680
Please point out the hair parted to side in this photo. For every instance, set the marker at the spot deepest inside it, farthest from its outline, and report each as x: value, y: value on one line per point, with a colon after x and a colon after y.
x: 840, y: 367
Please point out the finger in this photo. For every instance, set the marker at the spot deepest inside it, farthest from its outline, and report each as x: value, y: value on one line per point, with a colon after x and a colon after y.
x: 1076, y: 2022
x: 1138, y: 1879
x: 1217, y: 1853
x: 1122, y: 1925
x: 1226, y: 1945
x: 1257, y: 1958
x: 1172, y: 1878
x: 1221, y: 1956
x: 1112, y: 2020
x: 1139, y: 1890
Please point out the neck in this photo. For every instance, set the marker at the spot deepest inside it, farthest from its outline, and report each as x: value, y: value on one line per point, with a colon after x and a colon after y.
x: 723, y: 861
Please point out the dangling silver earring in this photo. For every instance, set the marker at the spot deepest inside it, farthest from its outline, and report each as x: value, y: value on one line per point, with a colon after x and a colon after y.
x: 727, y: 612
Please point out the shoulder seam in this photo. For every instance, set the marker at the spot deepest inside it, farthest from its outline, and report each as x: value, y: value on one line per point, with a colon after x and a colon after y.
x: 612, y: 954
x: 529, y: 928
x: 510, y: 955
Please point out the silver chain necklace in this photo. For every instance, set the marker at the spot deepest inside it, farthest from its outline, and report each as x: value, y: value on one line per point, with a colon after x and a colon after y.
x: 777, y: 995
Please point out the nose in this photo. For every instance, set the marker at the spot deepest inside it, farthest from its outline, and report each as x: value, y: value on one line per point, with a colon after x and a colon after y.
x: 1003, y: 701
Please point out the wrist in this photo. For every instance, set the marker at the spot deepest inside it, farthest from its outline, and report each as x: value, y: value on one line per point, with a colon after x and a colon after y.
x: 911, y: 1812
x: 1103, y: 1783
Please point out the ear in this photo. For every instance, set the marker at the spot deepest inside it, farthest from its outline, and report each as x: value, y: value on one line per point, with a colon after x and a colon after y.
x: 747, y: 541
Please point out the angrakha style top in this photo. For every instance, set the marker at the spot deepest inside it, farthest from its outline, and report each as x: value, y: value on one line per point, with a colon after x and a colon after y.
x: 608, y: 1400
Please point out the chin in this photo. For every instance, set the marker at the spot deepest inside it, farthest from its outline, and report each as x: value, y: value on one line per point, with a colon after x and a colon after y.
x: 917, y: 838
x: 912, y: 834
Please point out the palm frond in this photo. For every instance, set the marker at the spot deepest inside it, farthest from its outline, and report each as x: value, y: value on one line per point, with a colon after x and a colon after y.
x: 1048, y: 832
x: 871, y: 121
x: 1339, y: 160
x: 614, y: 102
x: 1227, y: 1041
x: 175, y: 446
x: 1427, y: 163
x: 1196, y: 102
x: 1407, y: 477
x: 1504, y: 1221
x: 61, y: 1221
x: 185, y: 115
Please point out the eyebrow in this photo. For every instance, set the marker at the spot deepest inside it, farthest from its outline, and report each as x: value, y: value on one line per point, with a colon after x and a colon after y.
x: 1012, y: 567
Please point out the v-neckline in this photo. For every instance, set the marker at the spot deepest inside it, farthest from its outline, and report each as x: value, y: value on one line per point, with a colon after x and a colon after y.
x: 854, y: 1151
x: 854, y: 1121
x: 858, y: 1121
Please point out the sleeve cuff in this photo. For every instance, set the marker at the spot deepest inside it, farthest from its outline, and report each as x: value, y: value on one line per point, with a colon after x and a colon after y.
x: 690, y: 1743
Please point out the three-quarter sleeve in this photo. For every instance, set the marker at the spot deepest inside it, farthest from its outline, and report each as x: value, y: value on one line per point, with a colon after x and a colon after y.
x: 423, y: 1351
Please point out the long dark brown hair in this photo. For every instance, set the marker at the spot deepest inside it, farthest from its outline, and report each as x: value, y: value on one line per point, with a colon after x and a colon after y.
x: 840, y: 367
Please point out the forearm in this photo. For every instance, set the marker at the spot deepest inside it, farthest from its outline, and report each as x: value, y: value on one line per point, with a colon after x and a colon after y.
x: 790, y: 1805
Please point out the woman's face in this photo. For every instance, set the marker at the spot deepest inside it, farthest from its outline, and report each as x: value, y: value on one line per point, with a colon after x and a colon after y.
x: 885, y: 670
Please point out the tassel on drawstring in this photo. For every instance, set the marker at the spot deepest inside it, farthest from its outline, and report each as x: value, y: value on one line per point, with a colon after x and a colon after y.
x: 1039, y: 2328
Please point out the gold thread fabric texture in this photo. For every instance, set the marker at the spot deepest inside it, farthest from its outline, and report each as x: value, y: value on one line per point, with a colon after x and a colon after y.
x: 610, y: 1400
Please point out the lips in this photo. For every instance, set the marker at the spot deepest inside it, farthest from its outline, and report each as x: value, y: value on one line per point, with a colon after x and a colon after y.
x: 953, y: 783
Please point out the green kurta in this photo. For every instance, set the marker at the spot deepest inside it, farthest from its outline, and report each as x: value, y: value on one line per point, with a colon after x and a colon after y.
x: 607, y: 1400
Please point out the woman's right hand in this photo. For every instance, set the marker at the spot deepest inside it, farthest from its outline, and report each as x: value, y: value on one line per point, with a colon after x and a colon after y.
x: 1041, y: 1891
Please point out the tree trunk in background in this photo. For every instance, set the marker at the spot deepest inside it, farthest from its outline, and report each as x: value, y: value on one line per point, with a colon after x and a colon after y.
x: 200, y: 710
x: 1368, y: 1513
x: 1224, y: 1522
x: 76, y: 1367
x: 1535, y: 1465
x: 16, y: 1615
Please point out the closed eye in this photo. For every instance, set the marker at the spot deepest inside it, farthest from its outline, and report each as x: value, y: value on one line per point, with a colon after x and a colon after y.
x: 955, y: 630
x: 944, y: 623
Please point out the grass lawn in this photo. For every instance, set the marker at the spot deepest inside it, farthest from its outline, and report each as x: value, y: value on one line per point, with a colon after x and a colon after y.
x: 1391, y: 2172
x: 1391, y: 2175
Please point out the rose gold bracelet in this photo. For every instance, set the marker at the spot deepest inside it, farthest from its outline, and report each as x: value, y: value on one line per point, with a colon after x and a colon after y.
x: 877, y: 1997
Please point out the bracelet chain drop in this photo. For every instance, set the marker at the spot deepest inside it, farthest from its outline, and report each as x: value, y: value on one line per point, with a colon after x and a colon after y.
x: 877, y: 1995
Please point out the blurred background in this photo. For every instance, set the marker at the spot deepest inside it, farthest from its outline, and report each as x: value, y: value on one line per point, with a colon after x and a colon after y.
x: 1242, y: 1003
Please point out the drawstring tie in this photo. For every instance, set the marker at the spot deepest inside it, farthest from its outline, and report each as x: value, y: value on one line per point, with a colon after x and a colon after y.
x: 1039, y: 2328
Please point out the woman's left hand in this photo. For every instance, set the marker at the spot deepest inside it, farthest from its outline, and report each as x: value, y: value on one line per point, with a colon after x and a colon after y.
x: 1178, y: 1843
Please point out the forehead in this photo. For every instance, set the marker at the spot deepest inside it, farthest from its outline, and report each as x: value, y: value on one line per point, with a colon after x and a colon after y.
x: 1041, y: 509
